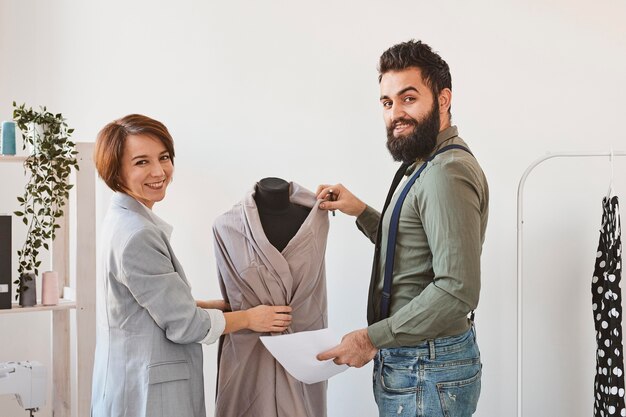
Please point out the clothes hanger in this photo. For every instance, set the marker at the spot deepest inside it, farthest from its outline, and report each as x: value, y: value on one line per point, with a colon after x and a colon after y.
x: 610, y: 192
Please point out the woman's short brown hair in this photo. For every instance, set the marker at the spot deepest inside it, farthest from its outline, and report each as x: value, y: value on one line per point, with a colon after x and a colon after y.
x: 110, y: 143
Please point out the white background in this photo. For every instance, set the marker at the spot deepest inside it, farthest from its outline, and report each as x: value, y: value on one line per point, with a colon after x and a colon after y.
x: 289, y: 89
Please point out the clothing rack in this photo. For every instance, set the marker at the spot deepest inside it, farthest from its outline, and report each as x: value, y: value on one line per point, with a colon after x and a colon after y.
x: 520, y: 250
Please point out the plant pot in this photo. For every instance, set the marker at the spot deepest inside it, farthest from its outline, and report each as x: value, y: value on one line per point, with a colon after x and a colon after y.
x: 28, y: 296
x: 36, y: 132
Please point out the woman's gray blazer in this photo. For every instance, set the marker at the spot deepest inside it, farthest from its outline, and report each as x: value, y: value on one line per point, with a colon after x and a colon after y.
x: 148, y: 362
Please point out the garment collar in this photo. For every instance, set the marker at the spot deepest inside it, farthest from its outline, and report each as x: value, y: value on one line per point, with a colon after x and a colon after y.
x: 316, y: 221
x: 129, y: 203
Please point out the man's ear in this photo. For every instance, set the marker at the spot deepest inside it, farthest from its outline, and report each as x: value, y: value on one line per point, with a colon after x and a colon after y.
x: 445, y: 100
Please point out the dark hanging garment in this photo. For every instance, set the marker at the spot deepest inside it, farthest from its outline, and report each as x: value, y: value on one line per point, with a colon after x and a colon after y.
x: 607, y: 310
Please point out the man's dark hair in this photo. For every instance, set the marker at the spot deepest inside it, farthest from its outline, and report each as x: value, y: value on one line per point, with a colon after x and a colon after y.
x: 435, y: 71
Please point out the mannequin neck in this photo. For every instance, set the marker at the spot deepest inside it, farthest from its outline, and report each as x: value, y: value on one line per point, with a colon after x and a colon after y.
x: 280, y: 218
x: 272, y: 195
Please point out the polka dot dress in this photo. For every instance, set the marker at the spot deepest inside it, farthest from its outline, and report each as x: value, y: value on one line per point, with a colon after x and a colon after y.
x: 607, y: 310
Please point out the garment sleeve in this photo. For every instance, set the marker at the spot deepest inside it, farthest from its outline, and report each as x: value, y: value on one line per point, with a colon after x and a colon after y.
x: 367, y: 222
x: 148, y: 272
x: 449, y: 202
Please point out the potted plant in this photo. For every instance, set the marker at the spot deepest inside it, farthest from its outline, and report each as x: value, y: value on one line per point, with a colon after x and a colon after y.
x: 48, y: 168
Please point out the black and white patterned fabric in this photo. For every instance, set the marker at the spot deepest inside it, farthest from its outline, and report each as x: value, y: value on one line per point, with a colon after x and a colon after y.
x: 607, y: 310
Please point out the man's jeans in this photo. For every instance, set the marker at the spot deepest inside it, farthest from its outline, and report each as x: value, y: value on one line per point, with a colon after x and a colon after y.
x: 437, y: 378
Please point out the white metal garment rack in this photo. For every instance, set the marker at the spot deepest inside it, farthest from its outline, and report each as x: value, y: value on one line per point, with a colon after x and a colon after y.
x: 520, y: 251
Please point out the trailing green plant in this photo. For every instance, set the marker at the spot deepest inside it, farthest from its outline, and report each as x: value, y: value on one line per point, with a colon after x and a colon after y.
x: 47, y: 190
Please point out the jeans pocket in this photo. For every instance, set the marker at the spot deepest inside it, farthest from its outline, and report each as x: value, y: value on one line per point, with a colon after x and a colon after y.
x: 398, y: 374
x: 459, y: 398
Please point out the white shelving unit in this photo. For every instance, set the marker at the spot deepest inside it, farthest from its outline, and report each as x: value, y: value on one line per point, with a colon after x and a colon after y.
x: 84, y: 221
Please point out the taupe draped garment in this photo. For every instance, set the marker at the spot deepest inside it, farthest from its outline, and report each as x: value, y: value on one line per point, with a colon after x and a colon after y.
x: 251, y: 383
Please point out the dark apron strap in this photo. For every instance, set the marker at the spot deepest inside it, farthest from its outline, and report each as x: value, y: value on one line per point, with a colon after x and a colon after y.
x: 393, y: 232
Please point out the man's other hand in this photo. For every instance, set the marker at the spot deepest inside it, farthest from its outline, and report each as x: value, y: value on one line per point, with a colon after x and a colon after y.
x: 356, y: 349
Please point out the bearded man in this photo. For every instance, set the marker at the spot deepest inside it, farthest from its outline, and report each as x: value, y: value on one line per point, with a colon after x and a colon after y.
x: 425, y: 281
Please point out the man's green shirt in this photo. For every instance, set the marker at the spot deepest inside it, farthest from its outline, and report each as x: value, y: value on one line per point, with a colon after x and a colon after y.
x: 436, y: 274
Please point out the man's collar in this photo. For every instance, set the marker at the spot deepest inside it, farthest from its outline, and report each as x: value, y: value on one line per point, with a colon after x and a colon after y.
x: 442, y: 137
x: 445, y: 135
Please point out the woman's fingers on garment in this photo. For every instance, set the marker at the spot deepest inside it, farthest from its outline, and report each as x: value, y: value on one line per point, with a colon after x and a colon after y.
x: 281, y: 309
x: 282, y: 318
x: 279, y: 328
x: 266, y: 318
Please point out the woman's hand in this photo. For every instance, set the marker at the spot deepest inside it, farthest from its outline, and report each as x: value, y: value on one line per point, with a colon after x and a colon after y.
x: 213, y: 304
x: 274, y: 319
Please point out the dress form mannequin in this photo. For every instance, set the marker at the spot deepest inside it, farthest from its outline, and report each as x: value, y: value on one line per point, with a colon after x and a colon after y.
x: 280, y: 218
x: 270, y: 249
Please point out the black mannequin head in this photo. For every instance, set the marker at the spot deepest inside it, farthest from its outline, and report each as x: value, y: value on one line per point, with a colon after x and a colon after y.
x: 281, y: 219
x: 272, y: 194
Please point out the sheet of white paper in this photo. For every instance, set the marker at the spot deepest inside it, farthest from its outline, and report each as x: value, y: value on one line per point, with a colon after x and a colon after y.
x: 297, y: 354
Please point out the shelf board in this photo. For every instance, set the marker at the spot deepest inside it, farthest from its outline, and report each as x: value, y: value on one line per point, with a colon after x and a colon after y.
x: 12, y: 158
x: 63, y: 305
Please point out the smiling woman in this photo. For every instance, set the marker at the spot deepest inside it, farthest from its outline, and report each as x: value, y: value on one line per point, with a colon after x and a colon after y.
x: 130, y: 151
x: 148, y: 359
x: 146, y: 169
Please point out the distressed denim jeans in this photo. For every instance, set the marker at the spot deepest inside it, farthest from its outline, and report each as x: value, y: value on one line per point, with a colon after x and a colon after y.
x: 438, y: 378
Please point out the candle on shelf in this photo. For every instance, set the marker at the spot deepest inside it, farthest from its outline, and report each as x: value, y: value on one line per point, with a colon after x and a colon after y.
x: 7, y: 147
x: 50, y: 288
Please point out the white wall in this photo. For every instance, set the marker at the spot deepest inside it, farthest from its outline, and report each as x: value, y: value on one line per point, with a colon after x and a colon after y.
x: 288, y: 89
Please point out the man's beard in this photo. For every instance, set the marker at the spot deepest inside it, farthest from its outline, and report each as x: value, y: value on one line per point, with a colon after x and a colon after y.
x: 417, y: 144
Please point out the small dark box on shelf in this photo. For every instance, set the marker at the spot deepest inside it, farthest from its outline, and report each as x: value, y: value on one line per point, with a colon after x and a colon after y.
x: 5, y: 262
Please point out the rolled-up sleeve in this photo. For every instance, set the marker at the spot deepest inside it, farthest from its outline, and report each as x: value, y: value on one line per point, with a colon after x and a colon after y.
x: 218, y: 324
